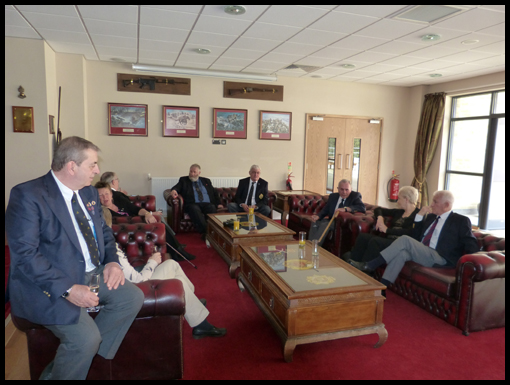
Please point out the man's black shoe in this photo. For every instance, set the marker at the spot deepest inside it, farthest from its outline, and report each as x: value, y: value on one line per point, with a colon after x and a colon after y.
x: 214, y: 332
x: 360, y: 266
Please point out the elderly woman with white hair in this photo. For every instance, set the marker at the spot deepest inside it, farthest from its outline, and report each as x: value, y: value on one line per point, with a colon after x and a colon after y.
x: 368, y: 246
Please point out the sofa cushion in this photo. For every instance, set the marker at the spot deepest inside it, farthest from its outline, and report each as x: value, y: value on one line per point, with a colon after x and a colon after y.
x: 436, y: 279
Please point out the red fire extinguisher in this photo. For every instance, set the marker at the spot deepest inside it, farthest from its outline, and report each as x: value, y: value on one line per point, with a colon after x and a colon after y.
x: 393, y: 187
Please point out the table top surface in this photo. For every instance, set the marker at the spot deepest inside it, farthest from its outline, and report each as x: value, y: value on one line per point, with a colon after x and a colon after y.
x: 302, y: 271
x: 260, y: 226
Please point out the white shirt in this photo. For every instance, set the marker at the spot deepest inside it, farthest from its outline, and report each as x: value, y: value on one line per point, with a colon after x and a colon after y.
x: 67, y: 193
x: 338, y: 203
x: 440, y: 223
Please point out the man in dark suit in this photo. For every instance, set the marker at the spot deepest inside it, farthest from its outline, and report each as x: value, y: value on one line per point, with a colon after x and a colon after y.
x: 345, y: 200
x: 58, y: 239
x: 200, y: 197
x: 251, y: 191
x: 439, y: 237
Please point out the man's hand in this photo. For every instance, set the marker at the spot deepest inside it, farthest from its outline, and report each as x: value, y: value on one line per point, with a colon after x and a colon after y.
x: 314, y: 218
x: 174, y: 194
x: 245, y: 207
x: 149, y: 218
x: 81, y: 296
x: 425, y: 210
x: 113, y: 275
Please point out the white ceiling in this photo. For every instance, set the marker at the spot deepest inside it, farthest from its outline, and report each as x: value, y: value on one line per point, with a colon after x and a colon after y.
x: 268, y: 38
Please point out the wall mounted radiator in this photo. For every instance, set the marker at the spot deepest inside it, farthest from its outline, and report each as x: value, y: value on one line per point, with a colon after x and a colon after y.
x: 160, y: 184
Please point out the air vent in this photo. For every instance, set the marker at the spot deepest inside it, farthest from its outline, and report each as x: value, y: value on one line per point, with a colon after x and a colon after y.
x: 428, y: 13
x: 305, y: 68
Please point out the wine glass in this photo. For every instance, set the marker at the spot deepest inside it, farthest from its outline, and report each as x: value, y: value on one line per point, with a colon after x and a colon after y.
x: 94, y: 288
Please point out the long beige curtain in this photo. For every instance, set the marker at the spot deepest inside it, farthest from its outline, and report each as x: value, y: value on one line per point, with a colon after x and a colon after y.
x: 431, y: 123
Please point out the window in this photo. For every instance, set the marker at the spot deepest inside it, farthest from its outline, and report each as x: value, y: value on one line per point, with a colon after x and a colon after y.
x: 475, y: 167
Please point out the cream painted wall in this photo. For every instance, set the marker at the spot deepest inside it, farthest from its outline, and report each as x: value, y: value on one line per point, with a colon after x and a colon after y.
x: 162, y: 156
x: 87, y: 87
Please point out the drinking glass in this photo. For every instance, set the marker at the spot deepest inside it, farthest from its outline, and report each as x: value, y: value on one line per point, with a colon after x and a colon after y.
x: 302, y: 238
x: 315, y: 247
x: 94, y: 288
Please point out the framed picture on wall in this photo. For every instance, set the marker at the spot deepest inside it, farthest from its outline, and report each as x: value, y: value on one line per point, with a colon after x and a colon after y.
x: 181, y: 121
x: 230, y: 123
x: 275, y: 125
x: 127, y: 119
x: 23, y: 119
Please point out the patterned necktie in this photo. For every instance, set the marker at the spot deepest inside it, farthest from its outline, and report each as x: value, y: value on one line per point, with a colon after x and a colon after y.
x: 199, y: 192
x: 86, y: 230
x: 428, y: 236
x: 250, y: 194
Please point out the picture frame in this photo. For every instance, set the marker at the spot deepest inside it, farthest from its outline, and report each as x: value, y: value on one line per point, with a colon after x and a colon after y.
x: 230, y: 123
x: 127, y: 119
x: 275, y: 125
x: 23, y: 119
x: 181, y: 121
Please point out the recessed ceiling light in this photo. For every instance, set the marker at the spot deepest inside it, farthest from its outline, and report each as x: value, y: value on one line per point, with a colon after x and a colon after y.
x: 235, y: 9
x: 347, y: 66
x: 435, y: 75
x: 203, y: 51
x: 316, y: 76
x: 431, y: 37
x: 470, y: 42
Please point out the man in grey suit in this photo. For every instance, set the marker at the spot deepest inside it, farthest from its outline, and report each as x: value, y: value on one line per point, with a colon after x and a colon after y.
x: 58, y: 238
x: 440, y: 237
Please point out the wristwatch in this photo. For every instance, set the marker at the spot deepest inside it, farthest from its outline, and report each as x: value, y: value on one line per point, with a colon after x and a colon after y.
x: 66, y: 294
x: 345, y: 209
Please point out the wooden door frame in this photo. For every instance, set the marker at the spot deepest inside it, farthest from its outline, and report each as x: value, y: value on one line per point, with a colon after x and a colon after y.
x: 310, y: 115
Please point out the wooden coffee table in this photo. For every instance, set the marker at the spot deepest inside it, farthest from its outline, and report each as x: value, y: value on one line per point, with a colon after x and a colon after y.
x: 227, y: 242
x: 311, y: 299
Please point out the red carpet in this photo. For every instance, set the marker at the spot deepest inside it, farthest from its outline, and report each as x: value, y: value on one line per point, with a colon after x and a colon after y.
x: 419, y: 346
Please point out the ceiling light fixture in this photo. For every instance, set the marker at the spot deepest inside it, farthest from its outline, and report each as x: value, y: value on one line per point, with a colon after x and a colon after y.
x: 203, y: 51
x: 470, y: 42
x: 347, y: 66
x: 199, y: 72
x: 431, y: 37
x: 235, y: 9
x: 435, y: 75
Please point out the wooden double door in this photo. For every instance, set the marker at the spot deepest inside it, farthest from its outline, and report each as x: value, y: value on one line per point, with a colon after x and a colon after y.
x: 342, y: 147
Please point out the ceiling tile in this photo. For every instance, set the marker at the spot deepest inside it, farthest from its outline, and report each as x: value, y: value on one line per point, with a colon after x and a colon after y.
x: 342, y: 22
x: 296, y: 49
x: 496, y: 48
x: 226, y: 26
x: 110, y: 28
x: 389, y: 29
x: 316, y: 37
x: 256, y: 44
x: 68, y: 37
x: 162, y: 46
x: 372, y: 57
x: 446, y: 34
x: 179, y: 8
x: 163, y: 34
x: 120, y: 13
x: 397, y: 47
x: 26, y: 32
x: 63, y: 10
x: 114, y: 41
x: 473, y: 20
x: 359, y: 43
x: 54, y: 22
x: 167, y: 19
x: 281, y: 57
x: 335, y: 53
x: 209, y: 40
x: 271, y: 31
x: 84, y: 49
x: 371, y: 10
x: 292, y: 15
x: 242, y: 53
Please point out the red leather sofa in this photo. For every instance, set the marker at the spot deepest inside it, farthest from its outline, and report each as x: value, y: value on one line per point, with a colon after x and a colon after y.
x: 301, y: 209
x: 181, y: 222
x: 469, y: 296
x: 152, y: 348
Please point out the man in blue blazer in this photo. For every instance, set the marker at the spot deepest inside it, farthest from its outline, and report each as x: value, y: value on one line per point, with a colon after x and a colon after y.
x: 345, y: 200
x: 440, y: 237
x: 259, y: 195
x: 53, y: 257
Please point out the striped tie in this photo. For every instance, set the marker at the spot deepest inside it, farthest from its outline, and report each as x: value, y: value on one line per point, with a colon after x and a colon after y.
x: 86, y: 230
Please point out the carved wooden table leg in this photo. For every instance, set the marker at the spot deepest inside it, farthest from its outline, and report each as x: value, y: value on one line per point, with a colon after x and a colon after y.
x: 383, y: 336
x: 288, y: 350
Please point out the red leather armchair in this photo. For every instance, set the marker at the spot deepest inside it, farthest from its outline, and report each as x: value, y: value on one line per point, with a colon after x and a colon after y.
x: 152, y: 348
x: 181, y: 222
x: 469, y: 296
x: 147, y: 202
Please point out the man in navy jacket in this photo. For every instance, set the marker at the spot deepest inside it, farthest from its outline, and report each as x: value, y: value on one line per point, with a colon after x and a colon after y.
x: 52, y: 262
x: 259, y: 196
x: 345, y: 200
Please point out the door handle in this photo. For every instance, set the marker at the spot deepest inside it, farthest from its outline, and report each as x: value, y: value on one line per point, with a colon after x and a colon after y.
x: 339, y: 162
x: 347, y: 161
